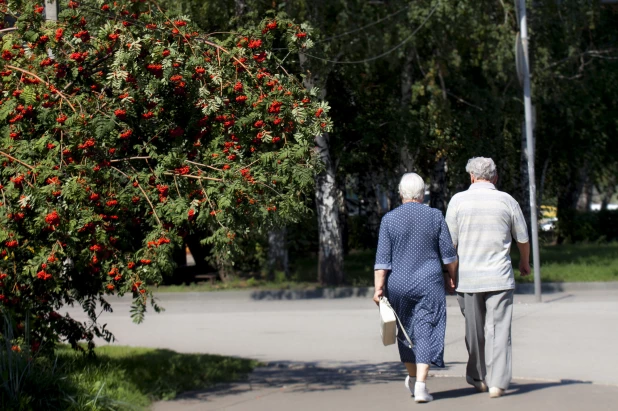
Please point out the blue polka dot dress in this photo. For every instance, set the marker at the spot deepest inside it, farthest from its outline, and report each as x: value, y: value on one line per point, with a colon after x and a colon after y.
x: 414, y: 239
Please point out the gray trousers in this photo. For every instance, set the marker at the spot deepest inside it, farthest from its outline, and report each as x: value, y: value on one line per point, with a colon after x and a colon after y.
x: 488, y: 335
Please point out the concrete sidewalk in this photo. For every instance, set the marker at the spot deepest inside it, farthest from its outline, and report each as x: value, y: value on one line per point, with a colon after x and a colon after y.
x: 273, y: 388
x: 327, y: 354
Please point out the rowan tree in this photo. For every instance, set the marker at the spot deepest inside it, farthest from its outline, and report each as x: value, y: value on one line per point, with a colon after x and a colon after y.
x: 122, y: 130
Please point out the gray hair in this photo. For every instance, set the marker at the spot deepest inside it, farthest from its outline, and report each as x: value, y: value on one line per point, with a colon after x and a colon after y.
x: 483, y: 168
x: 412, y: 187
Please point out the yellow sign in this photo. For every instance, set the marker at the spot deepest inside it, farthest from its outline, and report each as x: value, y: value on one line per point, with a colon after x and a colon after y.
x: 549, y: 211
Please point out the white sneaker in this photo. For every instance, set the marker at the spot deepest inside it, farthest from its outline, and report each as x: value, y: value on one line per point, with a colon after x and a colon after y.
x: 421, y: 394
x: 407, y: 383
x: 479, y: 385
x: 495, y: 392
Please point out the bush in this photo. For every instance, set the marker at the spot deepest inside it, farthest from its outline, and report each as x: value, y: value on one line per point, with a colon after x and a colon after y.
x: 124, y: 130
x: 29, y: 380
x: 110, y: 378
x: 589, y: 226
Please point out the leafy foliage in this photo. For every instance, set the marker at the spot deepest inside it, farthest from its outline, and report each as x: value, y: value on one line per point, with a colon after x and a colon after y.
x: 123, y: 130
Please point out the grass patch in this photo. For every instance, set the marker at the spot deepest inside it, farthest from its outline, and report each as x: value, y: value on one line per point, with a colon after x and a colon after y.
x: 237, y: 284
x: 128, y: 378
x: 559, y: 263
x: 575, y: 263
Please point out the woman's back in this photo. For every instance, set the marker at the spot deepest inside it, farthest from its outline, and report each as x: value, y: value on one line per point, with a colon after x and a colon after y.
x: 412, y: 234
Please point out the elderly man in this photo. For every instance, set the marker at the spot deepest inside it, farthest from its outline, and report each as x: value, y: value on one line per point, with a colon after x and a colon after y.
x: 482, y: 222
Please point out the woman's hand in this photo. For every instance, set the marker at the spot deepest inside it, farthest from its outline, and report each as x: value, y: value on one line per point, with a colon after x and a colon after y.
x: 449, y: 285
x: 376, y: 296
x: 380, y: 280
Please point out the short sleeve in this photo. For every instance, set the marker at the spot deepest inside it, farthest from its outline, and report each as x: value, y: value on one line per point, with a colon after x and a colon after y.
x: 519, y: 229
x: 445, y: 243
x: 384, y: 252
x: 451, y: 221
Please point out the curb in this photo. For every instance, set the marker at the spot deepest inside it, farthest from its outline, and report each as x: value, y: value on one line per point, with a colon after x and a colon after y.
x: 362, y: 292
x: 528, y: 288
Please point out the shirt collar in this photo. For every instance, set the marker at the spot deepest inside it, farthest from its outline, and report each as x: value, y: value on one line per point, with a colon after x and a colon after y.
x: 482, y: 184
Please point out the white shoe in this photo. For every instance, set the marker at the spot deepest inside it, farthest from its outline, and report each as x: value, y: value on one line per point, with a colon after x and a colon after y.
x: 407, y: 383
x: 495, y: 392
x: 421, y: 394
x: 479, y: 385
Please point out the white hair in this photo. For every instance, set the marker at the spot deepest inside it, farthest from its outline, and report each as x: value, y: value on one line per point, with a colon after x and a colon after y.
x: 412, y: 187
x: 483, y: 168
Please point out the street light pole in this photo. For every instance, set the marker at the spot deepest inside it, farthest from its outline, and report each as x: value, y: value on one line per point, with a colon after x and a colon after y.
x: 523, y: 28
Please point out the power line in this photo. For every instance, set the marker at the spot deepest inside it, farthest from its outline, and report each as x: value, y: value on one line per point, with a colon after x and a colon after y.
x: 386, y: 52
x: 363, y: 27
x: 97, y: 11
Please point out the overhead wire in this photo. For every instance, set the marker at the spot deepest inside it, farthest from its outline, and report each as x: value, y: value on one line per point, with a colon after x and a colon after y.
x: 363, y: 27
x: 347, y: 33
x: 386, y: 52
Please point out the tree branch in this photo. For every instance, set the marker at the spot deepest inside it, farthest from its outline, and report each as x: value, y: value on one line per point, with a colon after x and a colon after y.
x: 118, y: 160
x: 46, y: 83
x: 144, y: 193
x: 203, y: 165
x: 219, y: 180
x: 461, y: 100
x: 15, y: 159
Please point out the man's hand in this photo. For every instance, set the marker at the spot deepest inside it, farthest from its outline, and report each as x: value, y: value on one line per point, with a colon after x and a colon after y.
x: 450, y: 277
x: 377, y: 295
x: 524, y: 268
x: 524, y: 258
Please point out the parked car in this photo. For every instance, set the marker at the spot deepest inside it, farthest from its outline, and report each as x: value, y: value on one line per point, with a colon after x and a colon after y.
x: 548, y: 224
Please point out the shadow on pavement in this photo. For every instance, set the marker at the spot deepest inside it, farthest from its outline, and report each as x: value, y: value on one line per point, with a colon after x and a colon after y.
x: 516, y: 388
x: 524, y: 388
x: 548, y: 288
x: 308, y: 377
x: 367, y: 292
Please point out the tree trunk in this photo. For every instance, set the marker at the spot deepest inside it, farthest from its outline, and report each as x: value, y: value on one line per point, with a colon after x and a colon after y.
x: 568, y: 197
x: 543, y: 178
x: 371, y: 203
x: 406, y: 158
x: 240, y: 7
x: 393, y: 192
x: 225, y: 270
x: 278, y: 259
x: 589, y: 193
x: 438, y: 188
x: 330, y: 264
x: 200, y: 253
x: 343, y: 217
x: 609, y: 192
x: 330, y: 256
x: 584, y: 199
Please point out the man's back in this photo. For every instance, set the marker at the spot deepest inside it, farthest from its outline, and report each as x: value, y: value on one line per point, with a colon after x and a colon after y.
x: 482, y: 222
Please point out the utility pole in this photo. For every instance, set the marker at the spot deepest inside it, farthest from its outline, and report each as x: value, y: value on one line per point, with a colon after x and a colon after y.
x: 525, y: 73
x: 51, y: 10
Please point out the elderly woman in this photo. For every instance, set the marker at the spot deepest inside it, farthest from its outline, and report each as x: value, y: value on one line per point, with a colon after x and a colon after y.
x: 414, y: 242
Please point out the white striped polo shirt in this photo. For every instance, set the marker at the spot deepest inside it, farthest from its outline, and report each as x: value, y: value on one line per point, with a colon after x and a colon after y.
x: 483, y: 221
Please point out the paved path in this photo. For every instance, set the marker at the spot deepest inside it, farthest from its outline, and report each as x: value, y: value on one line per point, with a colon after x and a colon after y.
x: 325, y: 353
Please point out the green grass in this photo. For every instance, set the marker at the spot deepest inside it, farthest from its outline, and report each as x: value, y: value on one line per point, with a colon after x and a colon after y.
x: 237, y: 284
x: 124, y: 378
x: 575, y: 263
x: 559, y: 263
x: 139, y: 376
